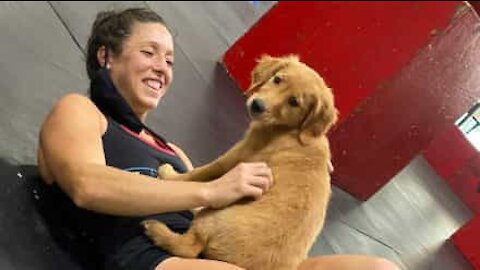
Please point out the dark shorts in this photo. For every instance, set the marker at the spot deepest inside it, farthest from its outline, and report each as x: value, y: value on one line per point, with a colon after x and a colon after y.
x: 138, y: 253
x: 103, y: 242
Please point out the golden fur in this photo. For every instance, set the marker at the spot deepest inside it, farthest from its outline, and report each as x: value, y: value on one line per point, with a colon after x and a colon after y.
x: 276, y: 231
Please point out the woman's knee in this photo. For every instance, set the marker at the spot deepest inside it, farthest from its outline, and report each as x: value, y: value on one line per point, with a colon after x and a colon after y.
x: 347, y: 262
x: 383, y: 264
x: 176, y: 263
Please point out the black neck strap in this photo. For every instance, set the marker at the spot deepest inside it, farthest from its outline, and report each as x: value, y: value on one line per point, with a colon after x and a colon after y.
x: 107, y: 98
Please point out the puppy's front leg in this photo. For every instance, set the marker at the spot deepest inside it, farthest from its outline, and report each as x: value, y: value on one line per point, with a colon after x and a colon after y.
x: 213, y: 169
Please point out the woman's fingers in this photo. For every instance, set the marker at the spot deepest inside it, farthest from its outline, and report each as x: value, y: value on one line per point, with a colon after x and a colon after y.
x: 261, y: 169
x: 245, y: 180
x: 253, y: 191
x: 260, y: 182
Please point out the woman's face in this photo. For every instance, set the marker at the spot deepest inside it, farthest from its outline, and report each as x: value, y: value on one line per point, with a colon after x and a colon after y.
x: 144, y: 70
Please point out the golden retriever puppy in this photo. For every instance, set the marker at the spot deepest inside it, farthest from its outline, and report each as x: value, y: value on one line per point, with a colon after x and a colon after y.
x: 291, y: 109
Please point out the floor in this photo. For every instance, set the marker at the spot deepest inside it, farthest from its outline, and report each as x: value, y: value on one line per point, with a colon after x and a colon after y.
x: 42, y: 57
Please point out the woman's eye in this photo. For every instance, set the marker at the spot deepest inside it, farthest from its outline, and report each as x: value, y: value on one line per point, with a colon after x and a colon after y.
x: 148, y: 53
x: 170, y: 63
x: 277, y: 80
x: 292, y: 101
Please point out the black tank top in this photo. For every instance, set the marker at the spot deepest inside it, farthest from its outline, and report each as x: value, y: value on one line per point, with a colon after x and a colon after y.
x: 124, y: 149
x: 86, y: 233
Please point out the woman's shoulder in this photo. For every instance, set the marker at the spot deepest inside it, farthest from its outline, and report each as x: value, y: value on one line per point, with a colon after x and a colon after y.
x: 74, y: 101
x: 75, y: 106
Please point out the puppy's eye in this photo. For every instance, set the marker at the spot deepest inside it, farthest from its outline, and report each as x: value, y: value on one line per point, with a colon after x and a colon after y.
x: 292, y: 101
x: 277, y: 80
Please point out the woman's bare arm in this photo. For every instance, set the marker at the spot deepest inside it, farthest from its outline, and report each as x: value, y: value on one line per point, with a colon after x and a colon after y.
x: 71, y: 145
x: 72, y: 150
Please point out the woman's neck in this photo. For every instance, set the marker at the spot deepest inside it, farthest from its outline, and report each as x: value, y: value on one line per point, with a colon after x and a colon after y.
x: 142, y: 115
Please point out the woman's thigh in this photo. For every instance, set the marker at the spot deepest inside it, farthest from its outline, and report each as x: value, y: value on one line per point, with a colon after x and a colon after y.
x: 337, y: 262
x: 175, y: 263
x: 347, y: 262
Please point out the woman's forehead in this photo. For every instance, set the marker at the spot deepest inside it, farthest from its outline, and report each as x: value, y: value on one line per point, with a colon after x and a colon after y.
x: 155, y: 34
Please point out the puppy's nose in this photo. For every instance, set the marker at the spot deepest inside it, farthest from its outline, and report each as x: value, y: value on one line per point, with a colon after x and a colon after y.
x: 257, y: 106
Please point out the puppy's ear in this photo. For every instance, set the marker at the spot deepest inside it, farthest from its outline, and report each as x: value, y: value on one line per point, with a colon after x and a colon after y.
x: 266, y: 67
x: 318, y: 120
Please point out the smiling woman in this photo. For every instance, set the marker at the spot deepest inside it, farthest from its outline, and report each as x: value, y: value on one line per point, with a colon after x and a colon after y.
x: 147, y: 59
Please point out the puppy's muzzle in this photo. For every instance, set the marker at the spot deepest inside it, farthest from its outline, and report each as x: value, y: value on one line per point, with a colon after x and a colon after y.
x: 257, y: 106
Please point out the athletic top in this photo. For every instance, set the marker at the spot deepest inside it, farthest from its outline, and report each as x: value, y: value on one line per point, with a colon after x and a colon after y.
x: 93, y: 235
x: 125, y: 150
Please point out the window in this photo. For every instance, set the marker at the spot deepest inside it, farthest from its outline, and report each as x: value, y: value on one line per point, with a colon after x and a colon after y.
x: 469, y: 124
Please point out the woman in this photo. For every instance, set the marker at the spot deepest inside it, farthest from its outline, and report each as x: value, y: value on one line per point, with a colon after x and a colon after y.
x: 98, y: 156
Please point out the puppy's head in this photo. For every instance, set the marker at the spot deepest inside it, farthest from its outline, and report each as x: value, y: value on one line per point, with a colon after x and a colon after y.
x: 286, y: 93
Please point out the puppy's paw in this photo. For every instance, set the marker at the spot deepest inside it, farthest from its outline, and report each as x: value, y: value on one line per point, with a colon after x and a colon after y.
x: 156, y: 231
x: 197, y: 210
x: 166, y: 171
x: 149, y: 223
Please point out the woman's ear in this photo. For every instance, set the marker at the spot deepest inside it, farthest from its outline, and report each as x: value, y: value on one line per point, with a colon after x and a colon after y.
x: 102, y: 57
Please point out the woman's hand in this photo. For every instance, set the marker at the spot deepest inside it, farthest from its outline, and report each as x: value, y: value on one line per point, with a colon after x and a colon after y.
x: 330, y: 167
x: 245, y: 180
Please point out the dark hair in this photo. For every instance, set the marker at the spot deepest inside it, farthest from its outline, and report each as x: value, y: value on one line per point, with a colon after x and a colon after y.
x: 110, y: 29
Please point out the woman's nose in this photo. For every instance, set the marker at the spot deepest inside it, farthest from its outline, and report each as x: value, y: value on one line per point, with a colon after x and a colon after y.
x: 160, y: 64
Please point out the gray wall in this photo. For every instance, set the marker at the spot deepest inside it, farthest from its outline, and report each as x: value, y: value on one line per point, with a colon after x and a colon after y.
x: 41, y: 58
